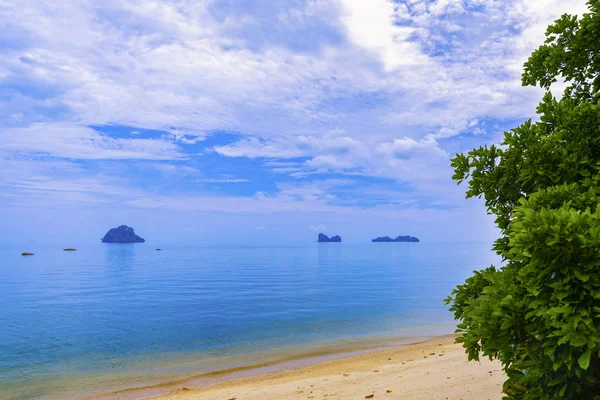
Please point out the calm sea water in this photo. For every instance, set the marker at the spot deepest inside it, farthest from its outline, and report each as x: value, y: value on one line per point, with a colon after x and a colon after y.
x: 108, y: 317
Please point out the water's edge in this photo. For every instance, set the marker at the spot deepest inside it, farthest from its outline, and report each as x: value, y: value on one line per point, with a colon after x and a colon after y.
x: 288, y: 363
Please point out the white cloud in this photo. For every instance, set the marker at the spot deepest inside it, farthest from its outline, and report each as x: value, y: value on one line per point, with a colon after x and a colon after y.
x: 317, y: 227
x: 54, y: 183
x: 372, y: 25
x: 70, y: 190
x: 408, y: 146
x: 329, y: 162
x: 316, y: 190
x: 221, y: 180
x: 174, y: 66
x: 400, y: 159
x: 69, y: 140
x: 377, y: 102
x: 253, y: 148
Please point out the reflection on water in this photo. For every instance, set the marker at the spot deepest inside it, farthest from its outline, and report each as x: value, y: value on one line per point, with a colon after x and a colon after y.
x: 115, y: 316
x: 119, y: 257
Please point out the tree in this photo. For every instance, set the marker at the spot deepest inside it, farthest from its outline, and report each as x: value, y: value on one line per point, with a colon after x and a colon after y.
x: 539, y: 314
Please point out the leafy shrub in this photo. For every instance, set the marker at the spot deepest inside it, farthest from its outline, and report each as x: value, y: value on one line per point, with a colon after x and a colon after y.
x: 540, y: 313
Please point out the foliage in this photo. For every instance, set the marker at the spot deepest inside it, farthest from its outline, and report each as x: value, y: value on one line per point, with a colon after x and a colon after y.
x: 540, y: 313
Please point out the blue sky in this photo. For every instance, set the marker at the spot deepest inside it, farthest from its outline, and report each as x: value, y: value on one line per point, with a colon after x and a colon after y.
x: 255, y: 121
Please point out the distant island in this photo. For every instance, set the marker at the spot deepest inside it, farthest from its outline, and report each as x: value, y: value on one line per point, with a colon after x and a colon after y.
x: 122, y: 234
x: 326, y: 239
x: 386, y: 239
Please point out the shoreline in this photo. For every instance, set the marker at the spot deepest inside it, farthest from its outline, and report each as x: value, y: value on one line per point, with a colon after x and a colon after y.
x: 420, y: 359
x: 287, y: 360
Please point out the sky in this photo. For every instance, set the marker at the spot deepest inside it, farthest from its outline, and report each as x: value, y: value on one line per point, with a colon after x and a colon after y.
x: 255, y: 121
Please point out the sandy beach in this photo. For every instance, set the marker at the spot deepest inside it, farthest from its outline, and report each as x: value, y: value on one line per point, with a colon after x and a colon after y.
x: 437, y: 369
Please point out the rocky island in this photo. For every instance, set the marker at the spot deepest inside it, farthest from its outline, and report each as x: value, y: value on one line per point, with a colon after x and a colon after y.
x: 386, y: 239
x: 122, y: 234
x: 326, y: 239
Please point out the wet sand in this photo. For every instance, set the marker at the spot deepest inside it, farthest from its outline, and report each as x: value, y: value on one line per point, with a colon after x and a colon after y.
x: 436, y: 369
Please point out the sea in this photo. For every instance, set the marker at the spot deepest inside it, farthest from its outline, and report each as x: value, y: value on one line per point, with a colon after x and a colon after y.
x: 128, y: 319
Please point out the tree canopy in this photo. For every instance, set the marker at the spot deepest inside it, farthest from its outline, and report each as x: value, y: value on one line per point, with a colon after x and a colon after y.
x: 540, y: 313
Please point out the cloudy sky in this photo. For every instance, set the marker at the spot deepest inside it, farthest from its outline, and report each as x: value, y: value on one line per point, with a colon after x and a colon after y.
x: 256, y: 120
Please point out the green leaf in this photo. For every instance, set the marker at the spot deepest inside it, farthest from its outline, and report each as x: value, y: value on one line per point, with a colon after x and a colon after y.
x: 578, y: 341
x: 584, y: 359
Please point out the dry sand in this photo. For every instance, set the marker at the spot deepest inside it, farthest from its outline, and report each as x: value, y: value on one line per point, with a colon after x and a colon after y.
x: 437, y: 369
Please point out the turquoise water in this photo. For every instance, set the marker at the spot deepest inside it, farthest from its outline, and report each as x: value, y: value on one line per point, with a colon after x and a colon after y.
x: 109, y: 317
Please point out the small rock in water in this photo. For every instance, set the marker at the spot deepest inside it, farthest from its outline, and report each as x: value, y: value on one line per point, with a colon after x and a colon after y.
x: 26, y: 254
x: 158, y: 250
x: 69, y: 249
